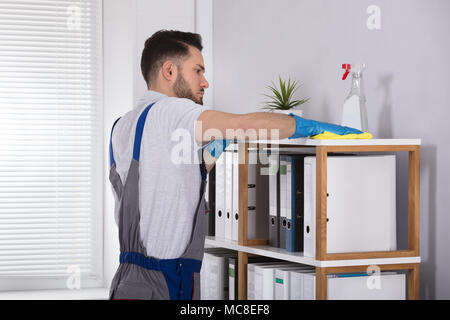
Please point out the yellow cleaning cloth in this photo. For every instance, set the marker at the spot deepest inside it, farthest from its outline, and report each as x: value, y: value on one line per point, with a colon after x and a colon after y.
x: 329, y: 135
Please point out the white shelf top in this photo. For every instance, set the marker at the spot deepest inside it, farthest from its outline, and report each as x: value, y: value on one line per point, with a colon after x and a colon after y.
x: 338, y: 142
x: 298, y: 257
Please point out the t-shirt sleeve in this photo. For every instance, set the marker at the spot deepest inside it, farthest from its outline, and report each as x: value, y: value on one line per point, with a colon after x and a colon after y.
x: 183, y: 118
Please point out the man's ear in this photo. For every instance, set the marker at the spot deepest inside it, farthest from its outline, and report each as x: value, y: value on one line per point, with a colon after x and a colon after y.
x: 169, y: 71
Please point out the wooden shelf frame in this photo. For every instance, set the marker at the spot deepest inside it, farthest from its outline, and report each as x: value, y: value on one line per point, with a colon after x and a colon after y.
x: 322, y: 149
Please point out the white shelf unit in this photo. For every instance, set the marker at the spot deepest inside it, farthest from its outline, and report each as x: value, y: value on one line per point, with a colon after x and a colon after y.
x: 297, y: 257
x: 324, y: 262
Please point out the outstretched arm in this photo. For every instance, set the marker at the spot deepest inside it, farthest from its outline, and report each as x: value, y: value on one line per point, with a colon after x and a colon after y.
x: 213, y: 124
x: 223, y: 127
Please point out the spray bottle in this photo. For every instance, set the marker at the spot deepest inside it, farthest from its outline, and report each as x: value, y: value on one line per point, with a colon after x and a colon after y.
x: 354, y: 113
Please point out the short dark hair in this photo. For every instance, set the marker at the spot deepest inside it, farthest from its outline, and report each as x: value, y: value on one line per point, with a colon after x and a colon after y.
x: 163, y: 45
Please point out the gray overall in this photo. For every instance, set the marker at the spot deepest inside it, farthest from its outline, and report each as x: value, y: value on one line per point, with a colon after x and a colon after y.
x: 140, y: 276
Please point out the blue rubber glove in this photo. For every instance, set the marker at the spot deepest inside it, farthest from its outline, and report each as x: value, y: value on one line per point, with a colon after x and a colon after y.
x: 216, y: 147
x: 307, y: 127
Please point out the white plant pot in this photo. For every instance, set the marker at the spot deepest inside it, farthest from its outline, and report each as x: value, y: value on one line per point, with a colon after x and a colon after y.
x: 297, y: 112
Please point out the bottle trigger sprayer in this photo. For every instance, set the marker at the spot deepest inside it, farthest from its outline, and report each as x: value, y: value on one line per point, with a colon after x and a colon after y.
x: 354, y: 112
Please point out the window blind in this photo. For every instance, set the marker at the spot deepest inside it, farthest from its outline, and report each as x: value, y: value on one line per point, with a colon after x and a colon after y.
x: 51, y: 145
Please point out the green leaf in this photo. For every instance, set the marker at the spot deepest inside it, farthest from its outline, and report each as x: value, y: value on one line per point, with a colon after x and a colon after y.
x: 298, y: 102
x: 273, y: 105
x: 283, y: 89
x: 289, y: 90
x: 277, y: 94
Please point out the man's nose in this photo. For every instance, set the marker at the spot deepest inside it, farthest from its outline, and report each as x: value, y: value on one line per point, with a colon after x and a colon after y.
x: 204, y: 83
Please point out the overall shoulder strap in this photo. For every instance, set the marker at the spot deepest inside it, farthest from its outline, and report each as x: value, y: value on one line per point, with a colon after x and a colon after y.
x: 138, y: 135
x: 111, y: 155
x: 203, y: 170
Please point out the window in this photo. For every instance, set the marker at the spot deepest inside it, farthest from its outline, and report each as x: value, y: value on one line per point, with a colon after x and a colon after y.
x: 51, y: 144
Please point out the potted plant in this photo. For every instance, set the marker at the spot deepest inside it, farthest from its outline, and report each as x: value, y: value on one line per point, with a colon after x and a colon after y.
x: 281, y: 99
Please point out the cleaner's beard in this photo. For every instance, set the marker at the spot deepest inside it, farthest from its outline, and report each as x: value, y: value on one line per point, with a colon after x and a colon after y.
x: 182, y: 90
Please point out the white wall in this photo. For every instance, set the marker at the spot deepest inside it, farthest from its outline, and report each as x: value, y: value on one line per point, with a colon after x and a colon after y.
x: 118, y: 48
x: 406, y: 85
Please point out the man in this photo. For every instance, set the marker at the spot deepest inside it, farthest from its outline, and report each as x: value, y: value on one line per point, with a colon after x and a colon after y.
x: 160, y: 207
